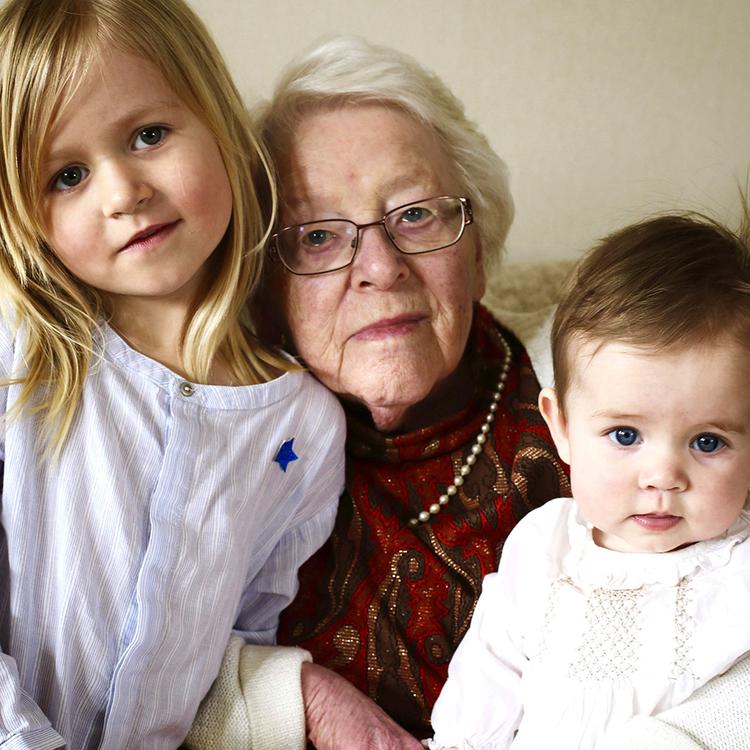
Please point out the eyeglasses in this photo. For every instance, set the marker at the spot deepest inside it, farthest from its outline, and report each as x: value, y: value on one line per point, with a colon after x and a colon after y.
x: 328, y: 245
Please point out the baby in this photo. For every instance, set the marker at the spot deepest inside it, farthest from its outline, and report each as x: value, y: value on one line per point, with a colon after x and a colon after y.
x: 626, y: 599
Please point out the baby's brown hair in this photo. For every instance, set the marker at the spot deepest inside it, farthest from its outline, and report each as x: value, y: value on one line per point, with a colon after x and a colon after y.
x: 673, y: 280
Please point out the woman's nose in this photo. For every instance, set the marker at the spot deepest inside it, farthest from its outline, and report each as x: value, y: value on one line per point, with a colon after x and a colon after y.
x: 378, y: 263
x: 123, y: 188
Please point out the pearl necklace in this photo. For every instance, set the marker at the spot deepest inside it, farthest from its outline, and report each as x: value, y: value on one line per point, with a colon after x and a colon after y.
x: 476, y: 448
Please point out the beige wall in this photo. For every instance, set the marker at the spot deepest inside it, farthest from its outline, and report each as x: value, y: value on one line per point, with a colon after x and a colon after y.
x: 604, y: 110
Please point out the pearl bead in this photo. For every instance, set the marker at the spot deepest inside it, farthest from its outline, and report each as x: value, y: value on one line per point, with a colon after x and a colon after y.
x: 476, y: 448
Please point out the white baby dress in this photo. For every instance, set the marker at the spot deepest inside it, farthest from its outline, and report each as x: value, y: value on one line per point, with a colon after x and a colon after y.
x: 569, y: 639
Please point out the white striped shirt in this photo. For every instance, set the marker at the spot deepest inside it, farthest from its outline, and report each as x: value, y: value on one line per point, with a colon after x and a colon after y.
x: 166, y: 524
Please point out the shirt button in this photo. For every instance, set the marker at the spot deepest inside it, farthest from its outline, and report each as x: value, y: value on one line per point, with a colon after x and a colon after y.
x: 186, y: 389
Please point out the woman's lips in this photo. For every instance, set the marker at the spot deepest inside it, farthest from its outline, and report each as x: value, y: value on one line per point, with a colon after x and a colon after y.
x: 150, y: 237
x: 388, y: 327
x: 656, y: 521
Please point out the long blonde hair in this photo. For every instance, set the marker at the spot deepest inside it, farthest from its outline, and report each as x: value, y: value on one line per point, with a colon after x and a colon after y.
x: 46, y: 49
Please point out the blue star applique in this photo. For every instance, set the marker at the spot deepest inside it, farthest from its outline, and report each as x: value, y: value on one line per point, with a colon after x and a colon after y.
x: 286, y: 455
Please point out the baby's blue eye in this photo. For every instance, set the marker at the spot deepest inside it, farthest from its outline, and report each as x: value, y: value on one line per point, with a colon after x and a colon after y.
x: 69, y: 177
x: 148, y: 137
x: 625, y: 436
x: 707, y: 443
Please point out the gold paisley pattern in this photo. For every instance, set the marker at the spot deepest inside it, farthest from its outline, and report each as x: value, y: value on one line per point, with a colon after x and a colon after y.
x: 386, y: 605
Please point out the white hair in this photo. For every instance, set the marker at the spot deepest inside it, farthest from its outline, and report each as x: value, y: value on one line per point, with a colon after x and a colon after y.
x: 348, y: 69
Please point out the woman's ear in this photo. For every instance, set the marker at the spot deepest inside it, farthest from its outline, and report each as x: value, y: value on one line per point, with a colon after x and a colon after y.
x: 554, y: 416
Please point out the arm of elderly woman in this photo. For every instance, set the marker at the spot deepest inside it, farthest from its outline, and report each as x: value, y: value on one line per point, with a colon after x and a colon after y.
x: 340, y: 717
x: 272, y: 698
x: 255, y: 701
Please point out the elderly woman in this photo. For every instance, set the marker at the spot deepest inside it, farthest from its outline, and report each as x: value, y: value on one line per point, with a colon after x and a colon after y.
x: 392, y: 209
x: 392, y: 206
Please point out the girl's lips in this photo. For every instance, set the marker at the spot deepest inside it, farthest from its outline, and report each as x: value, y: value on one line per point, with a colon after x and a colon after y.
x: 656, y: 521
x: 150, y: 237
x: 388, y: 327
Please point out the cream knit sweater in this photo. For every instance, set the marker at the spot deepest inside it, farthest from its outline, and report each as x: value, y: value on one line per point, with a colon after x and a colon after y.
x: 255, y: 702
x: 716, y: 717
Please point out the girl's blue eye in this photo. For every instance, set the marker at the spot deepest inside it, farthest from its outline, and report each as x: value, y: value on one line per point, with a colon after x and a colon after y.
x: 149, y: 137
x: 625, y: 436
x: 69, y: 177
x: 707, y: 443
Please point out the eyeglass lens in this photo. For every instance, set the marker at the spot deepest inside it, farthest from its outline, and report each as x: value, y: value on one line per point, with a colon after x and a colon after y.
x: 421, y: 227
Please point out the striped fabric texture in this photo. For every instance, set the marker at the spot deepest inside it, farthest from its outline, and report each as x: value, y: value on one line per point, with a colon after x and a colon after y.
x: 166, y: 525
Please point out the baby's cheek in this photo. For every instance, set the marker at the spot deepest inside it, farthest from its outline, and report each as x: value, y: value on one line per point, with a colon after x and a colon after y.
x: 599, y: 494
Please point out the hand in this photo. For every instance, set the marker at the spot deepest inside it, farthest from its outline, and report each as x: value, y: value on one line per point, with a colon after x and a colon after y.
x: 340, y: 717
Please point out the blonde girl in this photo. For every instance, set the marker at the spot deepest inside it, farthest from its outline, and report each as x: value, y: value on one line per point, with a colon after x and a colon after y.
x: 164, y: 473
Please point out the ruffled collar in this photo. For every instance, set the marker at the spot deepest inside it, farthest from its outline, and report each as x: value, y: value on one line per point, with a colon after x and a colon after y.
x: 593, y: 566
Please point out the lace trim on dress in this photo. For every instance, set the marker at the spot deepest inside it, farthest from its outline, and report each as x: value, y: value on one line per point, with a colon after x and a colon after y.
x: 684, y: 627
x: 610, y: 643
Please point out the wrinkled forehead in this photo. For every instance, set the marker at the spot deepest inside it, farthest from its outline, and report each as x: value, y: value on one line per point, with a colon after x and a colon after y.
x: 360, y: 156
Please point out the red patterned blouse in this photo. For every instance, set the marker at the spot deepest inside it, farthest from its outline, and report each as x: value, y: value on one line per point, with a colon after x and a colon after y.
x: 385, y: 603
